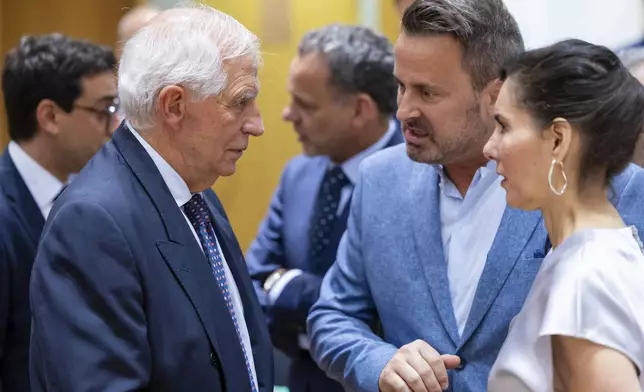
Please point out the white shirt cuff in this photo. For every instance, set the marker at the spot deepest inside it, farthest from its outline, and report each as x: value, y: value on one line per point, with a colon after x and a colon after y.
x: 279, y: 286
x: 303, y: 341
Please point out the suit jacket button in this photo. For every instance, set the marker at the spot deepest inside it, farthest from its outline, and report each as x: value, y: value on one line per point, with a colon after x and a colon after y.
x: 461, y: 365
x: 213, y: 359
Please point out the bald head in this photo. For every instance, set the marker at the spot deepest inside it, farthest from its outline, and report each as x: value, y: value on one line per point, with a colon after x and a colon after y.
x: 133, y: 21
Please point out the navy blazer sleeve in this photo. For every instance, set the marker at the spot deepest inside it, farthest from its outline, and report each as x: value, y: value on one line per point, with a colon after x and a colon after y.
x: 89, y: 328
x: 287, y: 316
x: 4, y: 300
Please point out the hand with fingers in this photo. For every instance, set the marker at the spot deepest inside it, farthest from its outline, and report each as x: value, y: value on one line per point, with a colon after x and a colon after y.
x: 417, y: 367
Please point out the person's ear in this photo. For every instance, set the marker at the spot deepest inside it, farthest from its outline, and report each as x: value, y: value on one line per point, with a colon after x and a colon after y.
x: 171, y: 105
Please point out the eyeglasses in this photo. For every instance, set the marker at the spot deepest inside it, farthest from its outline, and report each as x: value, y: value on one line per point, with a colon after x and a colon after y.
x: 106, y: 115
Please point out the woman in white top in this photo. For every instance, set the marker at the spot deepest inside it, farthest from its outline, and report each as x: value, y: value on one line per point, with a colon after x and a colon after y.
x: 568, y: 118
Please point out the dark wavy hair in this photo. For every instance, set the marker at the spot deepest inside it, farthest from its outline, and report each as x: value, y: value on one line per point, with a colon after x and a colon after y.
x: 588, y: 86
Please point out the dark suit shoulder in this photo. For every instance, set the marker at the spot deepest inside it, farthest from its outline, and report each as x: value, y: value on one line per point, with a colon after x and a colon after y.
x: 106, y: 182
x: 8, y: 219
x: 83, y: 224
x: 6, y: 212
x: 12, y: 230
x: 8, y: 222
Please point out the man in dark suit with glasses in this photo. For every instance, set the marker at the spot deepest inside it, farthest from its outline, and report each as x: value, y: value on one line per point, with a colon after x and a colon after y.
x: 60, y: 101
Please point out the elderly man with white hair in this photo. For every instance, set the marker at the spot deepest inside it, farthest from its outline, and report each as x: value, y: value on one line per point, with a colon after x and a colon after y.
x: 139, y: 282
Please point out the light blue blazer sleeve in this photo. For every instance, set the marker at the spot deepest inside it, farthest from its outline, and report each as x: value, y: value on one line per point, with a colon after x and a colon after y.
x: 342, y: 341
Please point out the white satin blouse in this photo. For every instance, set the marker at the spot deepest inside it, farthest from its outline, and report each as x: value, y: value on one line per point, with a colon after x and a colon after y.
x: 590, y: 287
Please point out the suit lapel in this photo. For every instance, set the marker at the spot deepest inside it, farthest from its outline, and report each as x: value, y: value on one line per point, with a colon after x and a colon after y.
x: 514, y: 232
x: 14, y: 187
x: 252, y: 313
x: 429, y: 243
x: 187, y: 262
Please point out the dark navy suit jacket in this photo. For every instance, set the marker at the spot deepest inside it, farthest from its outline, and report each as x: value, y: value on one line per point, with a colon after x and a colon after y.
x: 283, y: 242
x: 21, y: 223
x: 122, y: 295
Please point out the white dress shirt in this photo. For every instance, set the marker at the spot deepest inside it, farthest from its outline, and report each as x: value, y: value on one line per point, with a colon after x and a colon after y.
x: 182, y: 195
x: 43, y: 186
x: 468, y: 226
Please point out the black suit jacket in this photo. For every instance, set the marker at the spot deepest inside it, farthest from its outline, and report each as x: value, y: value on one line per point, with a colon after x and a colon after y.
x: 122, y: 295
x: 21, y: 223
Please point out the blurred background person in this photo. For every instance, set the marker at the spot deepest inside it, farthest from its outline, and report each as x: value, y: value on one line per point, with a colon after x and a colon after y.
x: 59, y: 98
x: 566, y: 127
x: 131, y: 22
x: 343, y: 97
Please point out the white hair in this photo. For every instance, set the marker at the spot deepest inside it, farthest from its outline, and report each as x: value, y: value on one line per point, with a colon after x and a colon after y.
x: 184, y: 46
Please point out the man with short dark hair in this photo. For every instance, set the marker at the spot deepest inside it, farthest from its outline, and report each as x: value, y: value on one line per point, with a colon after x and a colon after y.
x: 59, y: 96
x: 343, y: 96
x: 431, y: 249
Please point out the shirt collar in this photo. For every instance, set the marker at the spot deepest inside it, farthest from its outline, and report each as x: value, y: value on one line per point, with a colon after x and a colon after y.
x: 177, y: 186
x: 488, y: 171
x: 351, y: 166
x: 42, y: 185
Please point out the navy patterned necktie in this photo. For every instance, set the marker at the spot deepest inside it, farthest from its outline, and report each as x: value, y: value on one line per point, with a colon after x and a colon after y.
x: 198, y: 214
x: 325, y: 212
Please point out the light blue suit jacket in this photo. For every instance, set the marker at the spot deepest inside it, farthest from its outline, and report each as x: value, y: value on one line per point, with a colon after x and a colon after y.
x: 390, y: 265
x: 283, y: 242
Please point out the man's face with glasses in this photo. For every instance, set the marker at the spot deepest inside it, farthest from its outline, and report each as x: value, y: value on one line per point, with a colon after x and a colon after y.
x: 92, y: 119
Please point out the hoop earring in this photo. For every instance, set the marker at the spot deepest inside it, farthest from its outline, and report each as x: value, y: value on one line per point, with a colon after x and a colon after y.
x: 563, y: 173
